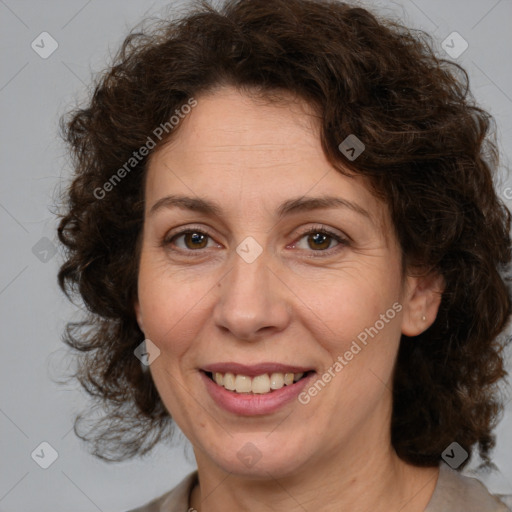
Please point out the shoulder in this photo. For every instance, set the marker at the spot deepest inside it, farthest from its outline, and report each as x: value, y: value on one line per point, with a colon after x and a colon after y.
x: 175, y: 500
x: 455, y: 492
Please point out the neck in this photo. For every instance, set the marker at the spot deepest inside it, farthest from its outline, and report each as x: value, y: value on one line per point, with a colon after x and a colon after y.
x: 353, y: 479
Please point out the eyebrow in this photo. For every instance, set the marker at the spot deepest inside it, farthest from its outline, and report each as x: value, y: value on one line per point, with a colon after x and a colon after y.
x: 299, y: 204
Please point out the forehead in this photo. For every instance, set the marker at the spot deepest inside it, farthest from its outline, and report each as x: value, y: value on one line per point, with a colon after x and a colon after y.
x: 228, y: 120
x: 244, y: 151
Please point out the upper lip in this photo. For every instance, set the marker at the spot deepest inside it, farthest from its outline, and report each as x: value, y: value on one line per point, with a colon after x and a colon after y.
x: 254, y: 369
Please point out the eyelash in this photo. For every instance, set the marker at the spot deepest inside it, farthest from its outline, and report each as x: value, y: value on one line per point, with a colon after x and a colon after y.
x: 342, y: 242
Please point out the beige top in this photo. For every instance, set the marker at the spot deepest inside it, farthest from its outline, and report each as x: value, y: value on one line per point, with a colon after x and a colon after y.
x: 453, y: 493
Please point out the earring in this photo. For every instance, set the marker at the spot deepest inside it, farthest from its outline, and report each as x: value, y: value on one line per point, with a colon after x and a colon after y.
x: 423, y: 318
x: 144, y: 367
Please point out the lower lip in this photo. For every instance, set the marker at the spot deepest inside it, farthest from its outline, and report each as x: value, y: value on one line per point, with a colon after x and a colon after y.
x: 248, y: 404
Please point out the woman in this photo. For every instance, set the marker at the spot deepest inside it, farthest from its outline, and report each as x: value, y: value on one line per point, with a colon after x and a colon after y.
x: 284, y: 225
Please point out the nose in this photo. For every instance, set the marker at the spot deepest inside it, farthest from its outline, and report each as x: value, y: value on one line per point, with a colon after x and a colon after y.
x: 253, y: 300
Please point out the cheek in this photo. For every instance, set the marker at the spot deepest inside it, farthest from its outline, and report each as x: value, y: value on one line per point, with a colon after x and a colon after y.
x: 347, y: 303
x: 171, y: 305
x: 357, y: 324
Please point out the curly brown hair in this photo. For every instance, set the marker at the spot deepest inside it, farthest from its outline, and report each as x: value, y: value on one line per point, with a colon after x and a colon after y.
x: 428, y: 156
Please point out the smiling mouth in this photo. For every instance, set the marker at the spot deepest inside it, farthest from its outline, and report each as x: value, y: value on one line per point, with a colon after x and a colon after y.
x: 258, y: 385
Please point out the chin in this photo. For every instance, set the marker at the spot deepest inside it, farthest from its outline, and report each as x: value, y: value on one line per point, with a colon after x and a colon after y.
x: 260, y: 455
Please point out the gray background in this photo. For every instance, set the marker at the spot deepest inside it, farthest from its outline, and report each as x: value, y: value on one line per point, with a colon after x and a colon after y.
x: 34, y: 93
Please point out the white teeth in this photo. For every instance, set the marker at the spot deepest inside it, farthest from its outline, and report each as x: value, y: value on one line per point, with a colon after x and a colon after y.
x: 229, y: 381
x: 260, y: 384
x: 242, y: 384
x: 276, y: 380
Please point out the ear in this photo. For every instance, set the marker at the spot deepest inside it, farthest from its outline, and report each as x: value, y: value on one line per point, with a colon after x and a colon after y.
x: 138, y: 315
x: 421, y: 302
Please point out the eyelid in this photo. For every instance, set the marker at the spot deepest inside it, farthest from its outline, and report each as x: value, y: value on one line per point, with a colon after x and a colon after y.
x: 322, y: 228
x: 188, y: 227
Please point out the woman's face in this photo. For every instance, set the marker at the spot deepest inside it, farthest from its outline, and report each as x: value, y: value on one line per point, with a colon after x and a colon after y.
x: 261, y: 286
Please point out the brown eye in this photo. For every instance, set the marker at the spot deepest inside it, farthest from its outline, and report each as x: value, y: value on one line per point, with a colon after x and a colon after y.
x: 192, y: 240
x: 197, y: 240
x: 319, y: 242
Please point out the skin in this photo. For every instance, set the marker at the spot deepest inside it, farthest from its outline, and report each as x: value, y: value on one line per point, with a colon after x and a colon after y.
x: 288, y: 306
